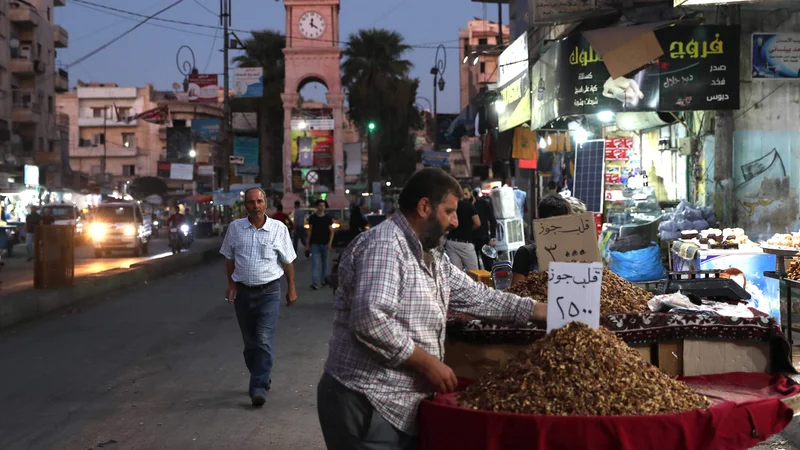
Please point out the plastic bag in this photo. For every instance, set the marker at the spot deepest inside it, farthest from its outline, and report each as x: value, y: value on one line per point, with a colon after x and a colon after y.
x: 700, y: 225
x: 639, y: 265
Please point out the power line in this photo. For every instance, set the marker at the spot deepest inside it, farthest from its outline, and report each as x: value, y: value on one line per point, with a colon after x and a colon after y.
x: 206, y: 8
x: 107, y: 44
x: 167, y: 27
x: 210, y: 52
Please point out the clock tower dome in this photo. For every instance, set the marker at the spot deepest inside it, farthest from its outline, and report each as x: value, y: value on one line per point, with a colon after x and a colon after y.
x: 313, y: 139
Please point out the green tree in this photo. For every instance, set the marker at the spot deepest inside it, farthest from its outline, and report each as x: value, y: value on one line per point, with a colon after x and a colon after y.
x: 265, y: 49
x: 379, y: 90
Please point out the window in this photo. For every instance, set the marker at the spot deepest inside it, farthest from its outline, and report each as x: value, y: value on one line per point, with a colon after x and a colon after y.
x: 483, y: 67
x: 483, y: 41
x: 98, y: 112
x: 128, y: 170
x: 129, y: 140
x: 50, y: 105
x: 123, y: 113
x: 99, y: 139
x: 41, y: 145
x: 84, y: 142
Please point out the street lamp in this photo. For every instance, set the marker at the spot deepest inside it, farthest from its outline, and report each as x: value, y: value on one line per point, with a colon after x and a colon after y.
x: 373, y: 169
x: 440, y: 64
x: 192, y: 153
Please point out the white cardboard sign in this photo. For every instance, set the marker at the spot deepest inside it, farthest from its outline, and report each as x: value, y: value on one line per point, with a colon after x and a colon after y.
x: 573, y: 294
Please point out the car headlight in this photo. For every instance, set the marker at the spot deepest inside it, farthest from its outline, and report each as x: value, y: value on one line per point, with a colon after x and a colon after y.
x: 155, y: 223
x: 97, y: 231
x: 335, y: 226
x: 306, y: 226
x: 130, y: 230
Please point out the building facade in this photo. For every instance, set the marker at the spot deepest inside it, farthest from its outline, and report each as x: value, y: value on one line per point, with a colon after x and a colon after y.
x: 30, y: 130
x: 479, y: 53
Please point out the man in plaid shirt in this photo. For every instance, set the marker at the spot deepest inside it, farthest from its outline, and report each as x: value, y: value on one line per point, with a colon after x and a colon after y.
x: 396, y: 286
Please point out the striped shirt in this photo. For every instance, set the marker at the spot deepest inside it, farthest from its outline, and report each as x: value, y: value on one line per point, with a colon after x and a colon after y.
x: 389, y: 301
x: 259, y: 253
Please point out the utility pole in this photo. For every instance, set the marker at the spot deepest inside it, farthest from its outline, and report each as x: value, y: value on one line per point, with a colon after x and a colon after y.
x: 499, y: 23
x: 225, y: 129
x: 105, y: 146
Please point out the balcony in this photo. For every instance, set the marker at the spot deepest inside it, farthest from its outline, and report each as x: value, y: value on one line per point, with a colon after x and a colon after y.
x: 22, y: 66
x: 47, y: 158
x: 62, y: 81
x: 24, y: 109
x: 23, y: 15
x: 60, y: 37
x: 96, y: 151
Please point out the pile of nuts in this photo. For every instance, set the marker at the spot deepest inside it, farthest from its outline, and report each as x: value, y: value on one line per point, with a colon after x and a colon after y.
x: 617, y: 295
x: 793, y: 272
x: 579, y: 371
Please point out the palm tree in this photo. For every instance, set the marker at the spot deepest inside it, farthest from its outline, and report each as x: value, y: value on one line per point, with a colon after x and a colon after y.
x: 265, y: 49
x: 374, y: 55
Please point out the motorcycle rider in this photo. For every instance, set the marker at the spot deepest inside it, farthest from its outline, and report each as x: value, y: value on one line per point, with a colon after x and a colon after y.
x: 175, y: 221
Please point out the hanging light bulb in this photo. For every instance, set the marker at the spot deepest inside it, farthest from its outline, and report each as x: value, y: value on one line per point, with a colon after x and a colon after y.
x: 549, y: 140
x: 542, y: 143
x: 581, y: 136
x: 475, y: 61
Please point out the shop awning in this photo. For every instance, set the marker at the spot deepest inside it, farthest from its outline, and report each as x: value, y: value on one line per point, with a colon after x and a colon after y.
x: 197, y: 198
x: 625, y: 49
x: 464, y: 124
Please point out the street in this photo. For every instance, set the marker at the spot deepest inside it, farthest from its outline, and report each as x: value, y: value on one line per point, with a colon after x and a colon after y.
x: 161, y: 367
x: 18, y: 272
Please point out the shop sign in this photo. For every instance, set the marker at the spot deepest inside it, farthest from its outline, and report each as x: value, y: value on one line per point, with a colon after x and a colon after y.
x: 205, y: 170
x: 566, y: 239
x: 225, y: 198
x: 516, y: 100
x: 31, y: 175
x: 203, y: 88
x: 244, y: 121
x: 573, y: 294
x: 181, y: 172
x: 513, y: 61
x: 246, y: 147
x: 776, y: 56
x: 435, y: 159
x: 206, y: 129
x: 163, y: 169
x: 248, y: 81
x: 678, y: 3
x: 698, y: 71
x: 312, y: 124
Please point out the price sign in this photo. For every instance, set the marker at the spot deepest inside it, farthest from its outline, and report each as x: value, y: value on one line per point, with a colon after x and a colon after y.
x: 571, y: 238
x: 573, y: 294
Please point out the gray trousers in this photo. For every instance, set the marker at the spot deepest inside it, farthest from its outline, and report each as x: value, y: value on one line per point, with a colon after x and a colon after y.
x: 462, y: 255
x: 349, y: 422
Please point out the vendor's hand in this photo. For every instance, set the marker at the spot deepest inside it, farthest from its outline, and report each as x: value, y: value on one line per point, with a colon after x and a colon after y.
x: 230, y: 294
x: 539, y: 312
x: 440, y: 376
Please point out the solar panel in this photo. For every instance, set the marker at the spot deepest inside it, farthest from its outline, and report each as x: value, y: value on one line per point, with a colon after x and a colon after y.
x: 589, y: 177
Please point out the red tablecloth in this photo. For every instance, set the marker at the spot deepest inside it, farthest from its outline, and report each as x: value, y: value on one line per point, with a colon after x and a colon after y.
x: 747, y: 411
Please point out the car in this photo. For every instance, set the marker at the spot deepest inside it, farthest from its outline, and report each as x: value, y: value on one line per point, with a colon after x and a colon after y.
x: 65, y: 214
x: 120, y: 226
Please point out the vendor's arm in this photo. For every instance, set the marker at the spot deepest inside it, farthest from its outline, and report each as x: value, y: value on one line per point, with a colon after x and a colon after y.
x: 473, y: 298
x: 375, y: 301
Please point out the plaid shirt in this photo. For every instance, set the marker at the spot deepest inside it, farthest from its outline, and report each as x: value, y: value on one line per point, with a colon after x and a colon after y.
x: 259, y: 253
x: 390, y: 301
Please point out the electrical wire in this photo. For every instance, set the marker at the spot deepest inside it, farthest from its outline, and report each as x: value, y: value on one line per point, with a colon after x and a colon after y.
x: 206, y: 8
x: 211, y: 52
x: 131, y: 30
x: 129, y: 18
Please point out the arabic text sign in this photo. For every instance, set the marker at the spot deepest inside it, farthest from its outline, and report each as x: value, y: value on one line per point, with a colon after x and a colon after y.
x: 776, y: 56
x: 203, y: 88
x: 571, y: 238
x: 248, y: 81
x: 573, y: 294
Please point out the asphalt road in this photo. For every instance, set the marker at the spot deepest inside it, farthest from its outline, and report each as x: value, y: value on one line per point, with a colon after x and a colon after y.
x: 18, y: 272
x: 160, y: 366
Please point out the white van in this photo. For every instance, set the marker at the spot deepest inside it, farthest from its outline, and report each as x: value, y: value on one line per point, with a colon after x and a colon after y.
x: 120, y: 226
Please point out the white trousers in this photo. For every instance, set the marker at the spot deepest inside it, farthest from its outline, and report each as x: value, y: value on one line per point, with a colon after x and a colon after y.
x: 462, y: 255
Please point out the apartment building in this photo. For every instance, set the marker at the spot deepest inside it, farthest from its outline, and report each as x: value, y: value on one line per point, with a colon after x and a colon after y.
x: 479, y: 53
x: 30, y: 130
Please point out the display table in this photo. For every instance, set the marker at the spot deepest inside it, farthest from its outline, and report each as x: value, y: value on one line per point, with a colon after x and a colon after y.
x: 679, y: 344
x: 753, y: 262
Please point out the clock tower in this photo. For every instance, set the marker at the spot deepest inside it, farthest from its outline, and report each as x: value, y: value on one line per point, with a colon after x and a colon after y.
x: 313, y: 138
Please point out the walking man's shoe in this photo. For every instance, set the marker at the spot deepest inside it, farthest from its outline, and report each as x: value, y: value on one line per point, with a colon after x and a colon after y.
x: 258, y: 397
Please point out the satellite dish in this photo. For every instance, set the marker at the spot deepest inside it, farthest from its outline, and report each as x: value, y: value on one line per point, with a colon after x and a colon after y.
x: 176, y: 87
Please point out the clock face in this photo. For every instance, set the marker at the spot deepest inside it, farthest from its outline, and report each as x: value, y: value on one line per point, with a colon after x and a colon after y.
x: 312, y: 25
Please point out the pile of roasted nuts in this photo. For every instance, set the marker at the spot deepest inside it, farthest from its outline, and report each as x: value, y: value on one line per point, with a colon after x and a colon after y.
x: 793, y: 272
x: 617, y: 295
x: 579, y: 371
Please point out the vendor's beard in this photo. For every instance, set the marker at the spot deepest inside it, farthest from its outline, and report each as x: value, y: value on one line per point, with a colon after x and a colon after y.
x: 433, y: 234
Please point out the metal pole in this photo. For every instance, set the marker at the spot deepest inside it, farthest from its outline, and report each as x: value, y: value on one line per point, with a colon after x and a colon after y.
x: 500, y: 23
x: 435, y: 118
x: 225, y: 17
x: 105, y: 145
x: 439, y: 66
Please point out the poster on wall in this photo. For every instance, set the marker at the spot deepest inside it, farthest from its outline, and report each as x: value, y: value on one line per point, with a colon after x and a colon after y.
x: 181, y: 172
x: 206, y: 129
x: 321, y: 145
x: 776, y: 56
x: 246, y: 147
x: 248, y: 81
x: 698, y: 71
x: 203, y: 88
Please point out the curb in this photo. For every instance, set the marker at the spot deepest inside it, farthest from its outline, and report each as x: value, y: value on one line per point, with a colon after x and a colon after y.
x: 27, y: 305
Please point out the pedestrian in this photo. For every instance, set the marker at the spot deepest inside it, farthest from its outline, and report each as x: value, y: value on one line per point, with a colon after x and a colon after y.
x: 395, y: 288
x: 299, y: 221
x: 320, y: 229
x: 47, y: 218
x: 31, y: 222
x: 280, y: 216
x: 460, y: 248
x: 258, y: 252
x: 486, y: 233
x: 525, y: 259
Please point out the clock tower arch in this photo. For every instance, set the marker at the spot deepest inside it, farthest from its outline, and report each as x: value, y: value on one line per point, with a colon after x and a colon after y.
x: 312, y: 53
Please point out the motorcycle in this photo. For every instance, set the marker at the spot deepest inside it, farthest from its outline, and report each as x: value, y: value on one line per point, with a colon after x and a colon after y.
x: 155, y: 229
x: 180, y: 238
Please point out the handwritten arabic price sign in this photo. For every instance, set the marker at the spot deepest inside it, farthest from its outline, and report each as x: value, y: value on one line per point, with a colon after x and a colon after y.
x: 573, y: 294
x: 571, y: 238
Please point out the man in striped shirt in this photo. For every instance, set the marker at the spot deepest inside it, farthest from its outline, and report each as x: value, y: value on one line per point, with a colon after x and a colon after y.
x: 258, y: 252
x: 396, y: 286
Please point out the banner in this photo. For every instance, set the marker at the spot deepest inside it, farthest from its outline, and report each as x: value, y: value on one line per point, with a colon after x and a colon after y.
x: 249, y: 81
x: 776, y: 56
x: 203, y: 88
x: 225, y: 198
x: 516, y: 100
x: 246, y: 147
x: 435, y: 159
x: 206, y: 129
x: 244, y: 121
x: 181, y: 172
x: 698, y: 71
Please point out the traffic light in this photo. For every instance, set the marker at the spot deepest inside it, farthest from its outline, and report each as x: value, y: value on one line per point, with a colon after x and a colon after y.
x: 371, y: 126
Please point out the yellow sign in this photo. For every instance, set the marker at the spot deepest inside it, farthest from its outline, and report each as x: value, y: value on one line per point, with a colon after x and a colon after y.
x: 584, y: 57
x: 677, y: 49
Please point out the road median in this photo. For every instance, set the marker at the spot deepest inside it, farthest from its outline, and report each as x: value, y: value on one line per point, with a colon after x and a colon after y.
x: 23, y: 306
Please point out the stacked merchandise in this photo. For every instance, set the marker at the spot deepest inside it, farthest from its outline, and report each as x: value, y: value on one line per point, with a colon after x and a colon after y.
x: 686, y: 217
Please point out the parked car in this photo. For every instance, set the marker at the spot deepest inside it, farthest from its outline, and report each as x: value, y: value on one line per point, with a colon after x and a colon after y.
x: 120, y: 226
